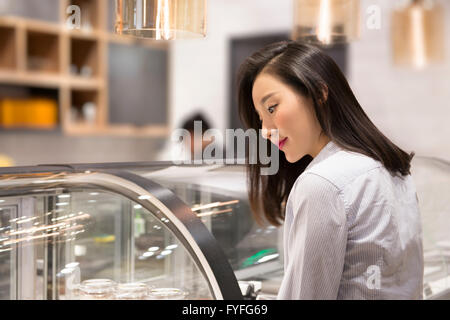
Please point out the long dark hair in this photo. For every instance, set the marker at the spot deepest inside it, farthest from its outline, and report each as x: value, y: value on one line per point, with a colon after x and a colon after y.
x: 313, y: 74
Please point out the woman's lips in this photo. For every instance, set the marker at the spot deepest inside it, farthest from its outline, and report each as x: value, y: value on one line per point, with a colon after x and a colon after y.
x: 281, y: 143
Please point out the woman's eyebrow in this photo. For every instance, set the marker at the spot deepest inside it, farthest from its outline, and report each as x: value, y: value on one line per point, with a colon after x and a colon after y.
x: 267, y: 96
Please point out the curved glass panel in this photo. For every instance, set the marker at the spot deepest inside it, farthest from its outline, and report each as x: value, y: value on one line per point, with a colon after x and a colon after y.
x: 70, y: 236
x: 218, y: 195
x: 432, y: 180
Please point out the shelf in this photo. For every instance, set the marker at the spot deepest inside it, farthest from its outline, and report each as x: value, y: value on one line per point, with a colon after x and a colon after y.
x: 32, y: 24
x: 84, y: 57
x: 84, y: 34
x: 35, y: 79
x: 8, y: 48
x: 83, y: 83
x: 42, y: 52
x: 28, y: 108
x: 89, y: 34
x: 36, y: 55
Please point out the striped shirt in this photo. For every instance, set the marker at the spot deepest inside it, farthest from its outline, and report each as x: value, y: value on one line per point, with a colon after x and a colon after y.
x: 351, y: 231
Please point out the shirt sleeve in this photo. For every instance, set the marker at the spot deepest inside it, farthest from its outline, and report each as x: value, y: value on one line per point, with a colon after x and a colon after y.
x: 316, y: 241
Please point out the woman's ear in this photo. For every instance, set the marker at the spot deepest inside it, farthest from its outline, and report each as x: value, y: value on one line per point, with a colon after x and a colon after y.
x: 324, y: 93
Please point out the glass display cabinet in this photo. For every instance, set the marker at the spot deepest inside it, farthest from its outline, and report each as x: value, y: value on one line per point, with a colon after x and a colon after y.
x: 163, y: 231
x: 432, y: 180
x: 217, y: 195
x: 70, y: 233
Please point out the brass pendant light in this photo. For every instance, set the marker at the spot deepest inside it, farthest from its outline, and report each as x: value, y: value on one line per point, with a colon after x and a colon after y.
x: 418, y: 34
x: 161, y: 19
x: 326, y: 22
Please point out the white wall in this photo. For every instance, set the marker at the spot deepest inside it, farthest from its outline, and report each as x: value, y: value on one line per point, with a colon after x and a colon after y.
x: 199, y: 68
x: 410, y: 107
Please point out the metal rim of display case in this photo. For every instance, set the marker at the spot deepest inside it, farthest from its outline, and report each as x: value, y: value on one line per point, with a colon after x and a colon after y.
x: 189, y: 229
x: 154, y: 165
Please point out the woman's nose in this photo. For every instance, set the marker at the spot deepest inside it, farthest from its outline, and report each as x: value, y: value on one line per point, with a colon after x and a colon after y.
x: 267, y: 132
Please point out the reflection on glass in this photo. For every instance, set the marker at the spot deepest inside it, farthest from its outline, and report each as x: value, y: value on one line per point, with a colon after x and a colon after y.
x: 79, y: 243
x: 167, y: 294
x: 432, y: 181
x: 220, y: 201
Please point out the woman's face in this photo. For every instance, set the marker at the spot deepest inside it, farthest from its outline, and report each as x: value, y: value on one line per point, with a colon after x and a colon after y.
x: 280, y: 107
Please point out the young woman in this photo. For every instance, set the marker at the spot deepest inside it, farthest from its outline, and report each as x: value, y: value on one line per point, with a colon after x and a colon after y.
x: 351, y: 220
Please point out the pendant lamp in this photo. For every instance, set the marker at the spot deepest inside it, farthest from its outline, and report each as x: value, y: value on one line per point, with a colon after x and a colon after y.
x: 161, y: 19
x: 418, y: 34
x: 326, y: 22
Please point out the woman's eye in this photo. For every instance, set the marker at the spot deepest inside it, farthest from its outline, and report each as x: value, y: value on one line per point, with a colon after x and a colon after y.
x: 271, y: 109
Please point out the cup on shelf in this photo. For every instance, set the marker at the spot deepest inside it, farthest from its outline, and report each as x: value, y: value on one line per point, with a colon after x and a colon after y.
x: 96, y: 289
x: 86, y: 71
x: 167, y: 294
x: 89, y: 111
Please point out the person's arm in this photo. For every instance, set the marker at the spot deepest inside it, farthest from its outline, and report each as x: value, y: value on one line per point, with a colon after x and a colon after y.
x: 317, y: 239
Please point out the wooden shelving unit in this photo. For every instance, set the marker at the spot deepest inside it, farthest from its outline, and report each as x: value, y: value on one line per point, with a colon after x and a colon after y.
x: 42, y: 52
x: 8, y: 48
x: 72, y: 61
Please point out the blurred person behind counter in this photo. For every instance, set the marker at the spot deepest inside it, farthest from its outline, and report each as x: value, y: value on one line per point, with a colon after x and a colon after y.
x: 191, y: 147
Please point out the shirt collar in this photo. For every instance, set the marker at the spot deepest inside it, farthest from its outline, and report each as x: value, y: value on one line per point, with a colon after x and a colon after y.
x: 329, y: 149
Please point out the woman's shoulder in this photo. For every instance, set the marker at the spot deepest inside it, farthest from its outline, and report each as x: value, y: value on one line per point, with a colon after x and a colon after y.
x: 342, y: 167
x: 315, y: 190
